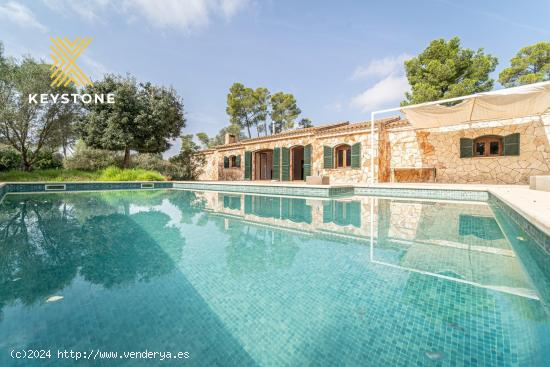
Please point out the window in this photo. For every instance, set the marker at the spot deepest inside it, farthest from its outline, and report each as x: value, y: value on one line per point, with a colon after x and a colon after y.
x: 490, y: 146
x: 486, y: 146
x: 233, y: 161
x: 343, y: 156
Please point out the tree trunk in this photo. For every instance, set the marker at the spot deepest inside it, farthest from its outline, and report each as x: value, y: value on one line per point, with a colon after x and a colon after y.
x: 25, y: 164
x: 248, y: 128
x: 126, y: 162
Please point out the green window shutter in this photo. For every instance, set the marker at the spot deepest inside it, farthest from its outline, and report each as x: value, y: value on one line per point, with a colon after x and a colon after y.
x: 276, y: 164
x: 327, y: 211
x: 247, y: 165
x: 238, y: 161
x: 340, y: 212
x: 225, y: 162
x: 511, y: 144
x: 356, y: 155
x: 327, y: 158
x: 285, y: 208
x: 307, y: 160
x: 307, y: 214
x: 285, y: 164
x: 466, y: 148
x: 247, y: 204
x: 355, y: 213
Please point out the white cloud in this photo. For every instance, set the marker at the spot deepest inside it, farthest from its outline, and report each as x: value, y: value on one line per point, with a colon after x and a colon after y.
x: 21, y: 15
x: 184, y: 15
x: 172, y: 13
x: 381, y: 67
x: 388, y: 90
x: 90, y: 10
x: 390, y: 87
x: 231, y: 7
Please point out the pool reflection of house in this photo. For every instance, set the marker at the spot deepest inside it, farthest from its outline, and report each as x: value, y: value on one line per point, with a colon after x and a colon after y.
x: 458, y: 241
x: 344, y: 217
x: 462, y: 241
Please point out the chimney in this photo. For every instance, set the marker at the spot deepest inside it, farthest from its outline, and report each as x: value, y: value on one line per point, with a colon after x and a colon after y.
x: 230, y: 139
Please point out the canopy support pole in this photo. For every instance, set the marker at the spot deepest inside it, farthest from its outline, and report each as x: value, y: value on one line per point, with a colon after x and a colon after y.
x: 372, y: 115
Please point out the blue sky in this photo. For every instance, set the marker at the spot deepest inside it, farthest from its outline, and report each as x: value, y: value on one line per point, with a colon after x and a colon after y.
x: 341, y: 59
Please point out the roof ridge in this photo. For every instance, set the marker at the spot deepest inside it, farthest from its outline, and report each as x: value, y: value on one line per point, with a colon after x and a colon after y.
x: 321, y: 129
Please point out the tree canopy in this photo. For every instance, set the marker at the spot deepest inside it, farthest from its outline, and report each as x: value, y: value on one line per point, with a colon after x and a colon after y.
x: 305, y: 122
x: 219, y: 139
x: 530, y: 65
x: 247, y: 107
x: 31, y: 128
x: 284, y: 111
x: 144, y: 117
x: 446, y: 70
x: 190, y: 162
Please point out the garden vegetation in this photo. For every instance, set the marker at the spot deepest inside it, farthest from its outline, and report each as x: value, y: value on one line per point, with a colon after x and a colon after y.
x: 116, y: 141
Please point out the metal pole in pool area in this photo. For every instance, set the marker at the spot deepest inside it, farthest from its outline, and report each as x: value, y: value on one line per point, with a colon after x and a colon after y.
x: 371, y: 203
x: 372, y: 147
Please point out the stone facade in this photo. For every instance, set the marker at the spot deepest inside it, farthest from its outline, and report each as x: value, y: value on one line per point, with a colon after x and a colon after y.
x: 440, y: 149
x: 405, y: 154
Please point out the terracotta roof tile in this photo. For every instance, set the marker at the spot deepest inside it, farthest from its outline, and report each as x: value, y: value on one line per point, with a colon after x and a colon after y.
x: 287, y: 133
x: 390, y: 121
x: 320, y: 130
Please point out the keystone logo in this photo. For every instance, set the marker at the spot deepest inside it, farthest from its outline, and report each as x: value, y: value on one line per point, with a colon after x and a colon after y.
x: 64, y: 55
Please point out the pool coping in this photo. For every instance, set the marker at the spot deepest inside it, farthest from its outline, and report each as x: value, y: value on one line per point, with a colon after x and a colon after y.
x: 530, y: 209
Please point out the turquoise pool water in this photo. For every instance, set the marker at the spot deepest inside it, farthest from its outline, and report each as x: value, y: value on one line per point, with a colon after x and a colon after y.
x: 244, y: 280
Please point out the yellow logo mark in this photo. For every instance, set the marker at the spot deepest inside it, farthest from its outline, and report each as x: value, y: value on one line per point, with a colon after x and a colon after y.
x: 64, y: 68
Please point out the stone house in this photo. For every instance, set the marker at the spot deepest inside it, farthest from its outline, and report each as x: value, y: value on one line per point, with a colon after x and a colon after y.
x: 490, y: 152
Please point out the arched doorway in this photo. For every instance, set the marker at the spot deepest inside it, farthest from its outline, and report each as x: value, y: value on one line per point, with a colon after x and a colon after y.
x: 297, y: 163
x: 263, y: 164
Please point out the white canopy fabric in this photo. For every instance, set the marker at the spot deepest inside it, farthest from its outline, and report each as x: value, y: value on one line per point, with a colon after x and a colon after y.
x: 527, y: 100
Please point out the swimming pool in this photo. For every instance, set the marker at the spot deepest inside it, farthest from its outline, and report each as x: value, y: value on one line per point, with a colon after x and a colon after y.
x: 239, y: 279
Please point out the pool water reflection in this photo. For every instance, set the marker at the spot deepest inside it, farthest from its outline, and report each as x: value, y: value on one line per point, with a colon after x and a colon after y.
x: 238, y: 279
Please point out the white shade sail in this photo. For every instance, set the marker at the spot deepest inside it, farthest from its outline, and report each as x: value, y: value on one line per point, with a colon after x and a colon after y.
x: 527, y: 100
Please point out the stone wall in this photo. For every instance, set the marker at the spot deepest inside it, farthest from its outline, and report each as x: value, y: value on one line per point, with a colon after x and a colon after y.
x: 232, y: 173
x: 344, y: 175
x: 340, y: 175
x: 209, y: 171
x: 405, y: 147
x: 440, y: 149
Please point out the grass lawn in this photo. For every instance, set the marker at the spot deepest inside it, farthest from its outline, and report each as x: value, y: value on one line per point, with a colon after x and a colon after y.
x: 59, y: 175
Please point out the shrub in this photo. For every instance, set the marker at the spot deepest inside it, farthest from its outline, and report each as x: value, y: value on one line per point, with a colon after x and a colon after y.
x: 132, y: 174
x: 155, y: 162
x: 9, y: 158
x: 188, y: 166
x: 90, y: 159
x: 188, y: 163
x: 148, y: 161
x: 47, y: 160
